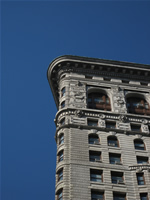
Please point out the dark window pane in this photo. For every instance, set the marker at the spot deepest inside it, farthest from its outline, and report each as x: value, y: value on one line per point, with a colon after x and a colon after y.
x: 63, y: 92
x: 60, y: 156
x: 143, y: 196
x: 61, y: 139
x: 112, y: 141
x: 99, y: 101
x: 115, y: 158
x: 95, y: 195
x: 142, y: 160
x: 138, y: 105
x: 92, y: 123
x: 118, y: 196
x: 110, y: 124
x: 117, y: 177
x: 93, y: 139
x: 94, y: 156
x: 140, y: 178
x: 60, y: 175
x: 135, y: 127
x: 96, y: 175
x: 139, y: 145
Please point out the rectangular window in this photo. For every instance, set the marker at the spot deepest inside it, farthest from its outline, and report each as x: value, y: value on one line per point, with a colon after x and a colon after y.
x: 139, y: 144
x: 95, y: 156
x: 117, y: 177
x: 60, y: 175
x: 63, y: 90
x: 135, y: 127
x: 115, y: 158
x: 143, y: 196
x: 140, y: 179
x: 60, y: 156
x: 96, y: 175
x: 97, y: 195
x: 142, y: 160
x: 110, y: 124
x: 92, y: 122
x: 119, y: 196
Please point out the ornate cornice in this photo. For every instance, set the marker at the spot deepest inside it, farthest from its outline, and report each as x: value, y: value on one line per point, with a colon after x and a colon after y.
x: 84, y: 65
x: 140, y: 167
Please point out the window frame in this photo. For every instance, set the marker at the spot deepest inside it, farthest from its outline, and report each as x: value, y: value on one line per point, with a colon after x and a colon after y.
x: 61, y: 139
x: 119, y: 195
x: 62, y: 105
x: 112, y: 138
x: 92, y: 122
x: 144, y: 193
x: 133, y: 107
x: 96, y: 175
x: 96, y: 156
x: 60, y: 175
x: 135, y: 127
x: 139, y: 158
x: 138, y: 176
x: 110, y: 124
x: 94, y: 139
x: 60, y: 192
x: 102, y: 105
x: 138, y: 142
x: 63, y: 92
x: 117, y: 177
x: 61, y: 156
x: 118, y: 156
x: 95, y: 193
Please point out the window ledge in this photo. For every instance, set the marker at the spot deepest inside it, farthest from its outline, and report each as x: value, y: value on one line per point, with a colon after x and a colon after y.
x: 118, y: 185
x: 111, y: 147
x: 142, y: 186
x: 96, y: 183
x: 94, y: 145
x: 143, y: 151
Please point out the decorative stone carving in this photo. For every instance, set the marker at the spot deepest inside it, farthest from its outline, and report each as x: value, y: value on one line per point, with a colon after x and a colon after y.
x: 123, y: 118
x: 77, y: 95
x: 144, y: 128
x: 102, y: 123
x: 116, y: 89
x: 139, y: 136
x: 79, y: 113
x: 118, y: 100
x: 112, y: 132
x: 144, y: 121
x: 140, y: 168
x: 102, y: 116
x: 94, y: 131
x: 123, y: 126
x: 79, y: 83
x: 77, y: 120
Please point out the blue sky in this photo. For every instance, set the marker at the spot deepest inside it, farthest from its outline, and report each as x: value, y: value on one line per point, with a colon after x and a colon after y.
x: 33, y: 34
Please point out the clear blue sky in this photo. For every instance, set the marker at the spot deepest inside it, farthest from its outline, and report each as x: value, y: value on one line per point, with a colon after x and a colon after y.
x: 33, y: 34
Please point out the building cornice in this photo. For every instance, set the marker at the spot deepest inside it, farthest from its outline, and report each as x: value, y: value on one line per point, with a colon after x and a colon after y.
x: 86, y: 65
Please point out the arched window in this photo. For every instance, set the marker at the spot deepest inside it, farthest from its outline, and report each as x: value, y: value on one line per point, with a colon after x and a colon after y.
x: 99, y: 101
x: 94, y: 139
x: 60, y: 194
x: 138, y: 105
x: 113, y: 141
x: 139, y: 144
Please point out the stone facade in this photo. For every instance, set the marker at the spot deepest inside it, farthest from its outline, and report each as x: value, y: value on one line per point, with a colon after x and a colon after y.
x: 72, y: 79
